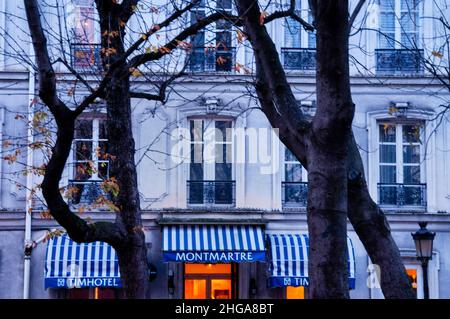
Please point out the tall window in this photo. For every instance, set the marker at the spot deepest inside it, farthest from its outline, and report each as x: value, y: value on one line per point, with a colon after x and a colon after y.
x: 295, y: 187
x: 81, y: 20
x: 294, y: 34
x: 210, y: 172
x: 401, y: 175
x: 399, y: 24
x: 212, y: 48
x: 90, y: 160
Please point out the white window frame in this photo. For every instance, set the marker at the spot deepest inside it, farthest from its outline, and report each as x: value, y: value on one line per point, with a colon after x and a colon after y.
x: 398, y: 27
x: 372, y: 170
x: 209, y: 142
x: 95, y: 144
x: 399, y: 164
x: 193, y: 110
x: 303, y: 11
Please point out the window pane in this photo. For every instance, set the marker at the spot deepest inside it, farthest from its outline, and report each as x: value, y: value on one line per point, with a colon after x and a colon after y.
x: 223, y: 40
x: 197, y: 153
x: 224, y: 4
x: 197, y: 130
x: 411, y: 153
x: 388, y: 21
x: 411, y: 133
x: 387, y: 154
x: 387, y: 5
x: 411, y: 174
x: 223, y: 171
x: 195, y: 289
x: 223, y: 131
x: 387, y: 133
x: 103, y: 170
x: 387, y: 174
x: 311, y: 35
x: 83, y: 129
x: 295, y: 292
x: 103, y: 133
x: 410, y: 5
x: 82, y: 171
x: 387, y: 40
x: 196, y: 172
x: 293, y: 173
x: 223, y: 153
x: 207, y: 269
x: 221, y: 289
x: 292, y: 31
x: 83, y: 150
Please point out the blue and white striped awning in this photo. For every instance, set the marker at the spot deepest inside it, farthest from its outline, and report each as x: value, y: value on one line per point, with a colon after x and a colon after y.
x: 72, y: 265
x: 213, y: 243
x: 288, y: 264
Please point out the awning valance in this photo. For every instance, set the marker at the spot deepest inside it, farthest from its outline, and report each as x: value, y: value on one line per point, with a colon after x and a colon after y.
x: 72, y: 265
x: 213, y: 243
x: 288, y: 264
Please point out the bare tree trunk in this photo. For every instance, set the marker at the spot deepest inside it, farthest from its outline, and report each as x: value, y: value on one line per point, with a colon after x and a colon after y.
x: 324, y: 140
x: 373, y: 230
x: 327, y: 156
x: 132, y: 253
x: 278, y: 103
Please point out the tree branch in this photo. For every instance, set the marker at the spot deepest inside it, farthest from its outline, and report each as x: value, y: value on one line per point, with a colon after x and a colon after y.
x: 128, y: 7
x: 175, y: 42
x: 289, y: 13
x: 355, y: 13
x: 76, y: 74
x: 77, y: 228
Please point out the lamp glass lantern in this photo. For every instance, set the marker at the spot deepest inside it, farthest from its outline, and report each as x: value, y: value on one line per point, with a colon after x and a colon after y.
x: 423, y: 239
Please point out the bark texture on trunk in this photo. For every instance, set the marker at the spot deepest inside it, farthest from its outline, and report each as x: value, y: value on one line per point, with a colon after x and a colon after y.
x: 324, y: 141
x: 327, y: 155
x: 132, y: 252
x: 373, y: 230
x: 366, y: 217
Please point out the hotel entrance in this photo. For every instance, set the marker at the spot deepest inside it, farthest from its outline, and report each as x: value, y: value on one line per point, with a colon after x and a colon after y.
x: 210, y: 281
x: 209, y: 257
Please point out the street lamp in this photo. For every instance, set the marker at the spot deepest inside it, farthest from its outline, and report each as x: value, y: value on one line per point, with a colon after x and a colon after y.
x: 423, y: 239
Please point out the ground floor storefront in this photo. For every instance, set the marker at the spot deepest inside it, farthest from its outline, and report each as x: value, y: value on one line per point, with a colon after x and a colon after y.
x: 210, y: 260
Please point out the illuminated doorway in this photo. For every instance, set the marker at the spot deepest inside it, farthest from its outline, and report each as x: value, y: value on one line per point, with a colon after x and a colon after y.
x: 210, y: 281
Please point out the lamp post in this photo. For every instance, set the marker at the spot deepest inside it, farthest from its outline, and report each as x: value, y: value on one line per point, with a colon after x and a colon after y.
x: 423, y: 239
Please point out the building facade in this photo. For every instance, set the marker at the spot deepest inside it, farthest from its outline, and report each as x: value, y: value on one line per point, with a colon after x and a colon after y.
x: 223, y: 201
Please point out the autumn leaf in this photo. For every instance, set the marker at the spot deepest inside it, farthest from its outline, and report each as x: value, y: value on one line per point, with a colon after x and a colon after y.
x: 221, y: 60
x: 262, y: 16
x: 121, y: 23
x: 144, y: 37
x: 135, y: 72
x: 240, y: 36
x: 437, y: 54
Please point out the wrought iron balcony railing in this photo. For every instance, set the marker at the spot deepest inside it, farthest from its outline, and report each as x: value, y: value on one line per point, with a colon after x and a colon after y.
x: 210, y: 193
x: 294, y: 194
x: 401, y: 61
x: 206, y: 59
x: 86, y: 192
x: 299, y: 58
x: 402, y: 194
x: 86, y: 57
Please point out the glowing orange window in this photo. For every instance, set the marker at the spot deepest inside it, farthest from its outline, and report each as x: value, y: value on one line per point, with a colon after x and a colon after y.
x: 208, y: 281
